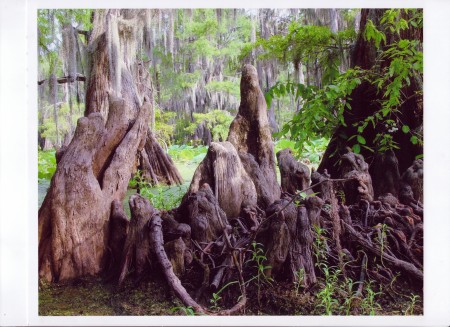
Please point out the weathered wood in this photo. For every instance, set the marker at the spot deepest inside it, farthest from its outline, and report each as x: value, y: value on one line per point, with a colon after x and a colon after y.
x: 157, y: 245
x: 407, y: 267
x: 136, y: 250
x: 360, y: 187
x: 113, y: 71
x: 175, y: 251
x: 118, y: 231
x: 294, y: 175
x: 250, y: 131
x: 202, y: 212
x: 74, y: 218
x: 288, y: 239
x: 386, y: 176
x: 256, y: 174
x: 321, y: 185
x: 158, y: 165
x: 413, y: 177
x: 223, y: 171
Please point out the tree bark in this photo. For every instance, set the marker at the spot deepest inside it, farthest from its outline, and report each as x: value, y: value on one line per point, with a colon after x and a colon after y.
x: 115, y: 69
x: 74, y: 217
x: 364, y: 103
x: 94, y: 169
x: 250, y: 131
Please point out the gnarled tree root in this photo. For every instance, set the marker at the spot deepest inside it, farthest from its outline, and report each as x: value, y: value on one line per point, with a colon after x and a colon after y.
x: 140, y: 207
x: 405, y: 266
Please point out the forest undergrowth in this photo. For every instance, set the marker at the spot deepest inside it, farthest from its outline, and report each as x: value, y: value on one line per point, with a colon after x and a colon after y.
x: 334, y: 293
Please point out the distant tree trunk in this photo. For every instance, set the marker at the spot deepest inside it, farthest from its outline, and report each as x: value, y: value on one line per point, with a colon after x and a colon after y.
x: 69, y: 45
x: 334, y: 21
x: 53, y: 85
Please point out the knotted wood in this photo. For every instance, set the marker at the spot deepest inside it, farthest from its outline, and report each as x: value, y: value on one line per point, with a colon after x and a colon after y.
x: 250, y: 131
x: 294, y: 175
x: 74, y: 217
x: 223, y: 171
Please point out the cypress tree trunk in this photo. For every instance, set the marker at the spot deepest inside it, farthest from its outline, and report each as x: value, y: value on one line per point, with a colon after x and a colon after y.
x: 363, y: 103
x: 94, y: 169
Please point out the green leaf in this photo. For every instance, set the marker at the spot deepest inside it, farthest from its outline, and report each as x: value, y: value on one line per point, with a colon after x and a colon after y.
x: 405, y: 129
x: 356, y: 148
x: 414, y: 139
x: 403, y: 43
x: 361, y: 139
x: 268, y: 97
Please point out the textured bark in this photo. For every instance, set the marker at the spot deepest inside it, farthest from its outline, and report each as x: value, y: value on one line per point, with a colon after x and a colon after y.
x: 250, y: 130
x: 73, y: 220
x: 386, y: 177
x: 114, y: 69
x: 324, y: 189
x: 365, y: 102
x: 136, y: 250
x: 295, y: 176
x: 264, y: 197
x: 289, y: 237
x: 118, y: 231
x: 206, y: 218
x: 360, y: 187
x: 157, y: 246
x: 413, y: 177
x: 157, y: 165
x: 223, y: 171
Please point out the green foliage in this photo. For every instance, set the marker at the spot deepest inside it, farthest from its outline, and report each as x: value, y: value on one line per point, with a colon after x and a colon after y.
x: 227, y: 86
x: 300, y: 276
x: 46, y: 164
x: 368, y: 303
x: 187, y: 153
x: 309, y: 43
x: 327, y: 295
x: 413, y: 300
x: 405, y: 60
x: 161, y: 197
x: 319, y: 245
x: 164, y: 197
x: 322, y: 109
x: 164, y: 127
x: 203, y: 38
x: 188, y: 311
x: 65, y: 120
x: 217, y: 121
x: 258, y: 262
x: 49, y: 23
x: 216, y: 296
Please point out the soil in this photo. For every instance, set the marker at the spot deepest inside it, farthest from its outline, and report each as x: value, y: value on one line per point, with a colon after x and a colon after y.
x: 92, y: 296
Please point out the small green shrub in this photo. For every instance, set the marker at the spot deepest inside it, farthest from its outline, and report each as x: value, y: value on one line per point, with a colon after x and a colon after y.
x: 46, y: 164
x: 188, y: 311
x: 312, y: 150
x: 258, y: 260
